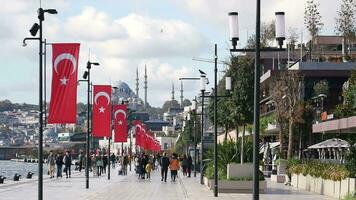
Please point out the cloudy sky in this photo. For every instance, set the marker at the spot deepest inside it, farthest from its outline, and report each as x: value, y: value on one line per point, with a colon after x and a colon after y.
x: 123, y: 35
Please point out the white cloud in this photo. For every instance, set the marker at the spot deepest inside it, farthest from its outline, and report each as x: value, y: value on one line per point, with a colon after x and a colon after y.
x: 135, y: 35
x: 93, y: 25
x: 119, y: 44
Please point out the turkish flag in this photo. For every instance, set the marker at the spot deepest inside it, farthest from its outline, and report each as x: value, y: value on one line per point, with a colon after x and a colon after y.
x: 120, y: 123
x: 63, y: 103
x: 102, y: 111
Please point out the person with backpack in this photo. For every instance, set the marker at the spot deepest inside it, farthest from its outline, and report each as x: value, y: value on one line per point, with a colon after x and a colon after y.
x: 174, y: 167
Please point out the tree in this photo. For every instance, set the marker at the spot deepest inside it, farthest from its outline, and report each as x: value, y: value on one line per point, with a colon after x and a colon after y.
x: 292, y: 37
x: 286, y: 94
x: 321, y: 87
x: 312, y: 18
x: 346, y: 21
x: 279, y: 103
x: 348, y: 108
x: 268, y: 35
x: 237, y: 110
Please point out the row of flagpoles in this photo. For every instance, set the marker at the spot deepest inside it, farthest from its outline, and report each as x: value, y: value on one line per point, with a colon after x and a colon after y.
x: 63, y: 102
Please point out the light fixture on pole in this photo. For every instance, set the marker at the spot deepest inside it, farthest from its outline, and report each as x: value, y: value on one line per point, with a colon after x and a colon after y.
x: 234, y: 28
x: 280, y: 28
x: 228, y: 83
x: 280, y: 36
x: 86, y: 76
x: 34, y: 29
x: 203, y: 82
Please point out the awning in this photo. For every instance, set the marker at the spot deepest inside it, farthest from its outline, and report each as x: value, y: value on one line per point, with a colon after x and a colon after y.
x: 331, y: 143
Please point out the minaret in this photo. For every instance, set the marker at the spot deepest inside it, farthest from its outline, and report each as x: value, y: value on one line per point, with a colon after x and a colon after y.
x: 145, y: 87
x: 137, y: 84
x: 172, y: 91
x: 181, y: 94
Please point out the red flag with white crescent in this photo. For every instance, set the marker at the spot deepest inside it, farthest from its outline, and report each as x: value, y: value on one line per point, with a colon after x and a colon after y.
x: 63, y: 103
x: 120, y: 123
x: 102, y: 111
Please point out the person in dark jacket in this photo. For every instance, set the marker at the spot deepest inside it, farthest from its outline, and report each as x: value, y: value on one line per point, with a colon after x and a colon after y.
x: 59, y: 163
x: 189, y: 165
x: 184, y: 165
x: 164, y: 167
x: 144, y: 161
x: 67, y: 163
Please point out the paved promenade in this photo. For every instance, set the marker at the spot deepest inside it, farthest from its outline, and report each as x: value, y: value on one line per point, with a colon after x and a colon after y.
x: 130, y: 188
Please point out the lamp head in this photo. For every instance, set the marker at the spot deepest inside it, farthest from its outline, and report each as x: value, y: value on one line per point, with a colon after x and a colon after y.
x: 85, y: 75
x: 95, y: 63
x: 201, y: 72
x: 24, y: 44
x: 34, y: 29
x: 51, y: 11
x: 280, y: 28
x: 234, y: 28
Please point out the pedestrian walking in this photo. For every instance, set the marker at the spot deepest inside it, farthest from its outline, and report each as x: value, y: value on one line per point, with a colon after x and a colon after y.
x: 164, y: 162
x: 189, y: 165
x: 184, y: 165
x: 125, y: 162
x: 99, y: 165
x: 93, y: 165
x: 51, y: 161
x: 81, y: 160
x: 143, y: 163
x: 174, y: 167
x: 59, y: 163
x: 105, y: 163
x: 113, y: 160
x: 67, y: 164
x: 148, y: 170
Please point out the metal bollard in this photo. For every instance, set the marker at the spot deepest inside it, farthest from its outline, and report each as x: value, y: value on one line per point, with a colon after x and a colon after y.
x: 17, y: 177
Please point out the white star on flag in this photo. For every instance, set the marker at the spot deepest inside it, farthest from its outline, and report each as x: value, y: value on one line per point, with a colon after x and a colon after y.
x: 101, y: 109
x: 120, y: 122
x: 64, y: 80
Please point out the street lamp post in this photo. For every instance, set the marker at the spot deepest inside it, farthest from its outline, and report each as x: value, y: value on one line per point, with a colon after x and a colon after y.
x: 195, y: 138
x: 203, y: 81
x: 87, y: 163
x: 34, y: 29
x: 234, y: 37
x: 215, y: 122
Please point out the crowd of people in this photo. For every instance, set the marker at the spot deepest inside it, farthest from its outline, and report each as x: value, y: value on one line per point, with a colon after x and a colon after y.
x: 144, y: 164
x: 99, y: 162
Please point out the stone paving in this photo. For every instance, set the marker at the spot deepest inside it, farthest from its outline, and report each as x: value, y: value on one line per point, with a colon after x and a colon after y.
x: 131, y: 188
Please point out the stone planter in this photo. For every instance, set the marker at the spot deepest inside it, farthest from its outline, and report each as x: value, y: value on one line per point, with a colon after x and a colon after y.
x: 336, y: 189
x: 282, y: 167
x: 230, y: 186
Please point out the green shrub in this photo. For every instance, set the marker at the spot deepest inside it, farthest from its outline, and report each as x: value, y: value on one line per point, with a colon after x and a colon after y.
x: 335, y: 172
x: 351, y: 162
x: 351, y: 196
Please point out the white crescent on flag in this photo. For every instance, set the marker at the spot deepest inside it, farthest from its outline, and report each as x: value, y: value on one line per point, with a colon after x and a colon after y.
x: 65, y: 56
x: 101, y: 94
x: 119, y: 111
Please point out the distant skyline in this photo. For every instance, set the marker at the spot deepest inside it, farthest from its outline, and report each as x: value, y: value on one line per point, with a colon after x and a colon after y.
x: 125, y: 35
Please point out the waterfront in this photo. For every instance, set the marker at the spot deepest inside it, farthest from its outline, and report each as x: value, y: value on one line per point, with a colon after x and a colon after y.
x: 9, y: 168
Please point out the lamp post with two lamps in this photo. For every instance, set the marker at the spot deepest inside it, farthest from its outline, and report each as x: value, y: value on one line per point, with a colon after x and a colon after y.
x: 234, y: 37
x: 34, y: 29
